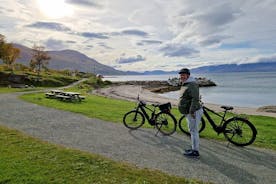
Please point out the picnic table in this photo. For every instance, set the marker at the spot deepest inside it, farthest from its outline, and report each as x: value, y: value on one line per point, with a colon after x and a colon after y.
x: 62, y: 95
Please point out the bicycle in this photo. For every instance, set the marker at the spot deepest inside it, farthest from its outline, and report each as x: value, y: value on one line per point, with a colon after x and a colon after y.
x: 237, y: 130
x: 164, y: 121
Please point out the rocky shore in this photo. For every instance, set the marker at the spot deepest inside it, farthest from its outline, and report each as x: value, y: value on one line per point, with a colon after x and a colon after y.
x: 165, y: 86
x: 270, y: 108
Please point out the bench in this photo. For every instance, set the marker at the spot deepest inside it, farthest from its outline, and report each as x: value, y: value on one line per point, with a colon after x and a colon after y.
x: 62, y: 97
x: 50, y: 95
x: 82, y: 97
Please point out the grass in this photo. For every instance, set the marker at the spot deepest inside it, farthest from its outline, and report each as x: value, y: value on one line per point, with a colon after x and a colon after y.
x: 113, y: 110
x: 24, y: 159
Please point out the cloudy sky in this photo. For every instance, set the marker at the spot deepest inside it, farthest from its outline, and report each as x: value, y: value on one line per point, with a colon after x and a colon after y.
x: 141, y: 35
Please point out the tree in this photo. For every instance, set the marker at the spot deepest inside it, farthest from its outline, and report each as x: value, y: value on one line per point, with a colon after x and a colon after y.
x: 8, y: 53
x: 11, y: 54
x: 39, y: 59
x: 2, y: 43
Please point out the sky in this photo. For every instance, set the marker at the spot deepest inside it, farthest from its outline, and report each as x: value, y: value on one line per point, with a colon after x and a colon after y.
x: 144, y: 35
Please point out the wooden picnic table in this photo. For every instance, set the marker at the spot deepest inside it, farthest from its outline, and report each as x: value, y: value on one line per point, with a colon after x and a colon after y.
x: 62, y: 95
x: 56, y: 91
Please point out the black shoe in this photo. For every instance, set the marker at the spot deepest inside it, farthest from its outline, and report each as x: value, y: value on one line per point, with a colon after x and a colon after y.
x: 187, y: 150
x: 192, y: 154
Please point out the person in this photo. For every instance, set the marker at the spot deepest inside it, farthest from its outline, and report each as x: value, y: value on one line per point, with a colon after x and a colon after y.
x: 189, y: 105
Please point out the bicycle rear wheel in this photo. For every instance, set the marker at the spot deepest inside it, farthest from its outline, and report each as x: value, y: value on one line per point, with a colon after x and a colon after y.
x: 133, y: 120
x: 183, y: 125
x: 165, y: 123
x: 239, y: 131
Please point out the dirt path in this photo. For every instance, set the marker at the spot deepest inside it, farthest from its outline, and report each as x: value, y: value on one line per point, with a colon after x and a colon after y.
x: 218, y: 163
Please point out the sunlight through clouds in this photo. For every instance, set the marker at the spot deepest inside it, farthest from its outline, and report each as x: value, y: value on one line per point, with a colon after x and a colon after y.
x: 55, y: 9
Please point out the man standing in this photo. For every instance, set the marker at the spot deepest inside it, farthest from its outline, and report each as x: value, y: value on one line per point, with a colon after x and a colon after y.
x: 189, y: 105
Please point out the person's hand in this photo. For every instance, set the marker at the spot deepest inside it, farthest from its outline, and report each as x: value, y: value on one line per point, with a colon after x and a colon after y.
x: 193, y: 115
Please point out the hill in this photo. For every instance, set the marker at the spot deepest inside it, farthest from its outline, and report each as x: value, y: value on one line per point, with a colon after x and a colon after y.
x: 70, y: 59
x: 249, y: 67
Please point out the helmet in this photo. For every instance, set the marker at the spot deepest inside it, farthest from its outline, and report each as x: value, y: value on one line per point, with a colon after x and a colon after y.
x: 184, y: 70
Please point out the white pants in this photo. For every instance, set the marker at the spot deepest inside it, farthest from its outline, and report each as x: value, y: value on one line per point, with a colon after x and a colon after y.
x: 193, y: 125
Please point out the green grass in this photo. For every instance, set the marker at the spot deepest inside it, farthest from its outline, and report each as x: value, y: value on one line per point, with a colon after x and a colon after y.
x: 113, y: 110
x: 24, y: 159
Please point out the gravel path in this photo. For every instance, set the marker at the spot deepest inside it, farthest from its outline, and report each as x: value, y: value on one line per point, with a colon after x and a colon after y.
x: 218, y: 163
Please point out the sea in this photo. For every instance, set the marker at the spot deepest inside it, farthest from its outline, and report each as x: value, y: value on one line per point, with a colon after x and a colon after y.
x: 242, y: 89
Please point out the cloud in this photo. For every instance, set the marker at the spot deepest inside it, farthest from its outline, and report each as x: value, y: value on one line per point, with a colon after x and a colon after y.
x: 50, y: 26
x: 84, y: 3
x: 89, y: 46
x: 61, y: 28
x: 178, y: 50
x: 134, y: 32
x: 194, y: 23
x: 54, y: 44
x: 259, y: 59
x: 149, y: 42
x: 213, y: 40
x: 102, y: 44
x: 123, y: 60
x: 236, y: 45
x: 71, y: 42
x: 219, y: 15
x: 213, y: 31
x: 94, y: 35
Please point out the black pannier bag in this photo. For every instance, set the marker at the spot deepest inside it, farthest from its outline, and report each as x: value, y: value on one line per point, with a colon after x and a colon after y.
x: 165, y: 107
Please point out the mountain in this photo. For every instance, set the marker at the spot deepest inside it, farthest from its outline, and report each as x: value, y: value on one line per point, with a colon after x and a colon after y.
x: 158, y: 72
x: 72, y: 60
x: 249, y: 67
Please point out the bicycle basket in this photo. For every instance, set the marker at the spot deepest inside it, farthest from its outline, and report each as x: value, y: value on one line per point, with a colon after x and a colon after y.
x: 165, y: 107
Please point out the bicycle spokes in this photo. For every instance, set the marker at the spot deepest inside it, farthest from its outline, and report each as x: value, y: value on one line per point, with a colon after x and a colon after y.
x: 240, y: 132
x: 165, y: 123
x: 133, y: 119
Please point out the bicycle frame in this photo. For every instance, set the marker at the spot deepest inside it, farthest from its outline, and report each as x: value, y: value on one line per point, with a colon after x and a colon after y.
x: 217, y: 128
x: 142, y: 107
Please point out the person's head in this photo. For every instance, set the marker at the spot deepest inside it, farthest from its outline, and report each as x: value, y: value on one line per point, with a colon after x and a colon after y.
x: 184, y: 74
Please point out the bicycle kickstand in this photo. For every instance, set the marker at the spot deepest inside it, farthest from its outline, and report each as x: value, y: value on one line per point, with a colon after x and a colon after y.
x: 158, y: 130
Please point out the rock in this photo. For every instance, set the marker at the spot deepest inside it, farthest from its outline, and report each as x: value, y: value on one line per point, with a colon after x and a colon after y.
x: 203, y: 82
x: 269, y: 108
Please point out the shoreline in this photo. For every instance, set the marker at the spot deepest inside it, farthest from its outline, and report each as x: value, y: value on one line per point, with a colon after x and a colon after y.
x: 131, y: 92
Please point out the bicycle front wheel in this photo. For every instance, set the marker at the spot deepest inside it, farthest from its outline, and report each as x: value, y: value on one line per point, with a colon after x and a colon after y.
x: 165, y: 123
x: 239, y: 131
x: 183, y: 125
x: 133, y: 120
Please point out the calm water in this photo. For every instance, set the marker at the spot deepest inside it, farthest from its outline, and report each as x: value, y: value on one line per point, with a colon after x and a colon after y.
x: 244, y: 89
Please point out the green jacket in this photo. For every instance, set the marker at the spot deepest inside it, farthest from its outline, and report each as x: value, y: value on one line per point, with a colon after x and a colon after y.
x: 189, y: 97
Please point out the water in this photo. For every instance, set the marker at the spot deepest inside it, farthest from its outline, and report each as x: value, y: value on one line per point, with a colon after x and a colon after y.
x: 243, y: 89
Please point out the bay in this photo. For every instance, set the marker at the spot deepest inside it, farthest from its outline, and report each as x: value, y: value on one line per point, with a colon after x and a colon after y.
x: 243, y: 89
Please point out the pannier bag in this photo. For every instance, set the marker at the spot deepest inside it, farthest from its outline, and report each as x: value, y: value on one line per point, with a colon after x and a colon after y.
x: 165, y: 107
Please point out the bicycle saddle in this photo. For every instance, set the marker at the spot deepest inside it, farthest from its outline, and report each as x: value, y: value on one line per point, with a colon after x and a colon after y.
x: 227, y: 107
